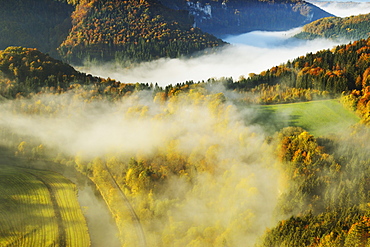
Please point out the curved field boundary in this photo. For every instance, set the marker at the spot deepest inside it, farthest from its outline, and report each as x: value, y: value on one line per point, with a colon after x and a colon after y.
x: 39, y: 208
x: 320, y: 117
x: 61, y: 238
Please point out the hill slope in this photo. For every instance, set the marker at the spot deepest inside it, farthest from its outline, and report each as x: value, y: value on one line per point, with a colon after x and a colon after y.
x: 235, y: 16
x: 131, y: 30
x: 344, y: 68
x: 140, y: 30
x: 25, y: 71
x: 348, y: 28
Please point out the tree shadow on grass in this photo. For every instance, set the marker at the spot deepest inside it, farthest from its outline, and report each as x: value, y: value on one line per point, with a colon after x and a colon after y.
x: 271, y: 120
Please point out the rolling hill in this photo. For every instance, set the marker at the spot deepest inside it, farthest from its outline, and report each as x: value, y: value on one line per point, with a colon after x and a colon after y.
x: 165, y: 153
x: 131, y: 31
x: 336, y: 28
x: 143, y: 30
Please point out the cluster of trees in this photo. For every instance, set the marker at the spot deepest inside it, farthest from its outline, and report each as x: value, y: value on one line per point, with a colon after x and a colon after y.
x: 27, y: 71
x: 358, y: 101
x: 131, y: 30
x: 104, y: 30
x: 351, y: 28
x: 342, y: 69
x: 265, y: 94
x: 325, y: 181
x: 328, y: 73
x: 162, y: 186
x: 328, y: 193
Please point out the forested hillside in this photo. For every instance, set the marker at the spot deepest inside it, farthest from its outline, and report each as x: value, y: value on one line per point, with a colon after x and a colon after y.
x: 343, y: 69
x: 326, y: 203
x: 139, y: 30
x: 26, y: 71
x: 336, y: 28
x: 131, y: 30
x: 186, y: 165
x: 102, y: 30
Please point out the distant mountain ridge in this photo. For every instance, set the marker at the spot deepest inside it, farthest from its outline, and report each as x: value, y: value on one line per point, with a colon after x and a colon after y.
x: 140, y: 30
x: 225, y: 17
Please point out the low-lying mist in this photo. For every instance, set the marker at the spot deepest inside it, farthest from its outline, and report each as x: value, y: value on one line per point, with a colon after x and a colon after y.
x: 248, y: 53
x: 202, y: 171
x: 251, y: 52
x: 227, y: 199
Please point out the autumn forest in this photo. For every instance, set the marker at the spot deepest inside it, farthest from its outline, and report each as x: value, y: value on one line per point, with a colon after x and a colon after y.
x: 276, y: 158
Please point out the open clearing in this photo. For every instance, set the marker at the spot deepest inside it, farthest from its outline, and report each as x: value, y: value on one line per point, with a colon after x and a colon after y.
x: 318, y: 117
x: 39, y: 208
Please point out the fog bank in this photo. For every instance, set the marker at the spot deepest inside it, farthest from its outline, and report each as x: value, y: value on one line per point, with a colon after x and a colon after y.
x: 249, y: 53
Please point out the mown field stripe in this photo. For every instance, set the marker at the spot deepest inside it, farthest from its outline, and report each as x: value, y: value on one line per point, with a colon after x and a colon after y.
x: 39, y: 208
x: 25, y: 206
x: 76, y: 233
x: 61, y: 228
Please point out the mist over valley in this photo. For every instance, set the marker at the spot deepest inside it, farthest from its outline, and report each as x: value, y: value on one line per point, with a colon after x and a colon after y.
x: 247, y: 53
x: 136, y: 125
x: 251, y: 52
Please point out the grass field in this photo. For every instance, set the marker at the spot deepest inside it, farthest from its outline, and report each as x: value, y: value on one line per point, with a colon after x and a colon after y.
x: 318, y: 117
x: 39, y: 208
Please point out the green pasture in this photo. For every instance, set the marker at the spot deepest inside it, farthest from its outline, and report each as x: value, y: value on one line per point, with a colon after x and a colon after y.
x: 320, y: 118
x: 39, y: 208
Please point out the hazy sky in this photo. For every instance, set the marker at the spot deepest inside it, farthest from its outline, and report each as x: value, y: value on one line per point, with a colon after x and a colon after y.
x: 252, y: 52
x: 355, y: 7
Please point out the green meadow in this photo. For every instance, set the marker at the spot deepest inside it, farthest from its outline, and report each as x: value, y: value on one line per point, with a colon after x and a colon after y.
x: 39, y: 208
x: 320, y: 118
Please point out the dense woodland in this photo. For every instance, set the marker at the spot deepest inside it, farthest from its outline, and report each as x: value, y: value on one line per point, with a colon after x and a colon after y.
x: 328, y: 73
x: 133, y: 31
x: 322, y: 182
x: 336, y: 28
x: 342, y: 69
x: 328, y: 199
x: 101, y: 30
x: 178, y: 166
